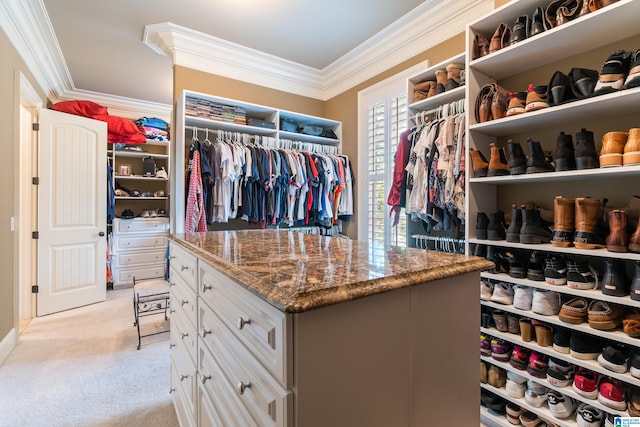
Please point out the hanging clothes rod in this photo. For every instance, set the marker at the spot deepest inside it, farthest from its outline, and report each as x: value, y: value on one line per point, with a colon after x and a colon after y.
x: 440, y: 243
x: 441, y: 111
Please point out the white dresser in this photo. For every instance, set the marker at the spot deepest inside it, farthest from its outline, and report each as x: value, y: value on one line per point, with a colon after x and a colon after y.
x: 138, y: 249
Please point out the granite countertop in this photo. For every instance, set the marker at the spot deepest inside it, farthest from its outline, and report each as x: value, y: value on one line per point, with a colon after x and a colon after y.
x: 297, y: 272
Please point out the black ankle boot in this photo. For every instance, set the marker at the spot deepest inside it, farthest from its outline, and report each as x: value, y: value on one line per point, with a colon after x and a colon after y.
x: 482, y: 221
x: 564, y: 157
x: 532, y: 231
x: 635, y: 283
x: 513, y: 232
x: 615, y: 281
x: 496, y: 228
x: 480, y: 250
x: 586, y: 155
x: 536, y: 162
x: 517, y: 159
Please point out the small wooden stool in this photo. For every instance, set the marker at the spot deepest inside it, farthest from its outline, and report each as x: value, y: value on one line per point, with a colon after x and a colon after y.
x: 150, y: 297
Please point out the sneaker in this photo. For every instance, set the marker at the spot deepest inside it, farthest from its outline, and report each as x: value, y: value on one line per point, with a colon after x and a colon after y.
x: 611, y: 394
x: 584, y: 346
x: 633, y: 79
x: 560, y: 405
x: 559, y: 372
x: 517, y: 103
x: 589, y: 416
x: 162, y: 173
x: 545, y: 302
x: 604, y: 316
x: 522, y: 297
x: 513, y: 413
x: 536, y: 398
x: 574, y: 311
x: 486, y: 289
x: 502, y: 293
x: 500, y: 350
x: 538, y: 364
x: 581, y: 275
x: 519, y: 357
x: 555, y: 269
x: 562, y: 340
x: 127, y: 214
x: 585, y: 383
x: 535, y: 267
x: 536, y: 98
x: 634, y: 365
x: 614, y: 358
x: 516, y: 385
x: 529, y: 419
x: 485, y: 345
x: 613, y: 73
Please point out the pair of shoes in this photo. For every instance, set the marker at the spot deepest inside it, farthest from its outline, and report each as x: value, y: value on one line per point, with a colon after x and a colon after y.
x: 614, y: 72
x: 620, y: 148
x: 576, y: 222
x: 424, y: 90
x: 537, y: 161
x: 492, y: 228
x: 449, y: 77
x: 577, y: 84
x: 584, y: 156
x: 533, y: 99
x: 496, y: 166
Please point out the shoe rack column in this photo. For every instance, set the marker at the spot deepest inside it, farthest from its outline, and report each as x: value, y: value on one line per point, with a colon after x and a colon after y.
x: 547, y: 122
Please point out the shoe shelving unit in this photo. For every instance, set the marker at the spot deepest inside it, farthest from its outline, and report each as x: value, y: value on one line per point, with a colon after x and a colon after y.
x: 138, y: 245
x: 429, y: 107
x: 187, y: 121
x: 586, y: 43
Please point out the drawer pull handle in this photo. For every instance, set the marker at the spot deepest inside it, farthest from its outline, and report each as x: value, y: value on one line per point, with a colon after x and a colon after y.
x: 171, y: 345
x: 171, y: 390
x: 184, y: 335
x: 242, y: 387
x: 171, y: 310
x: 183, y: 377
x: 172, y: 257
x: 242, y: 322
x: 172, y: 284
x: 206, y: 287
x: 184, y: 301
x: 205, y: 378
x: 205, y: 332
x: 184, y: 267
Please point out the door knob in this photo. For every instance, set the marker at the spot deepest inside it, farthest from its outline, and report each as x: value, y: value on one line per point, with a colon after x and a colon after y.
x: 101, y: 234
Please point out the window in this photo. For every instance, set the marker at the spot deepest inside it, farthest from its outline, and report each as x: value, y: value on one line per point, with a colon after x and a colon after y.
x: 383, y: 117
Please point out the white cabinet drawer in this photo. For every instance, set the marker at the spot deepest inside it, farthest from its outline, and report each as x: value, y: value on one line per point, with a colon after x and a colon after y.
x: 182, y: 333
x: 218, y: 404
x: 184, y: 264
x: 135, y: 259
x: 141, y: 225
x: 124, y: 276
x: 268, y: 403
x: 184, y: 299
x: 185, y: 418
x: 139, y: 243
x: 259, y: 325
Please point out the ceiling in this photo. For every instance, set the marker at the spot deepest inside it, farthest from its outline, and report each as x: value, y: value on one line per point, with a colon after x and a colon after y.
x: 102, y: 41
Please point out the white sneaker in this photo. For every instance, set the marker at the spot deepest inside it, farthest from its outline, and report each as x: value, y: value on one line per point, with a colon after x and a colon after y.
x: 161, y: 173
x: 502, y: 293
x: 561, y: 406
x: 486, y: 289
x: 589, y: 416
x: 522, y: 297
x: 545, y: 302
x: 516, y: 385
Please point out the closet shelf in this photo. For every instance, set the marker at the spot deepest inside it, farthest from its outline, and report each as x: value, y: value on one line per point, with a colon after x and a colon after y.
x: 140, y: 154
x: 140, y: 178
x: 547, y: 247
x: 437, y: 100
x: 586, y: 174
x: 295, y: 136
x: 574, y: 37
x: 232, y: 127
x: 563, y: 289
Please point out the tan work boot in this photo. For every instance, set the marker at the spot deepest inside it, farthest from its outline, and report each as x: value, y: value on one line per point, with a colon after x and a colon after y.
x: 498, y: 165
x: 479, y: 163
x: 631, y: 154
x: 587, y: 212
x: 613, y: 144
x: 618, y: 238
x: 564, y: 210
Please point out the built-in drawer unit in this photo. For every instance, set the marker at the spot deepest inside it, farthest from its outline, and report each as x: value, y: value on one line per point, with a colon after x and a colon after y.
x: 184, y: 264
x: 141, y: 226
x: 137, y: 259
x: 184, y: 299
x: 182, y: 331
x: 257, y: 324
x: 185, y: 368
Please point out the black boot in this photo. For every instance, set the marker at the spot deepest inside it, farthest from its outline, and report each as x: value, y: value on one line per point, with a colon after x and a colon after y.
x: 536, y: 162
x: 615, y: 281
x: 564, y: 157
x: 513, y: 232
x: 532, y: 231
x: 480, y: 250
x: 517, y: 159
x: 496, y: 228
x: 635, y: 283
x: 482, y: 221
x: 586, y: 155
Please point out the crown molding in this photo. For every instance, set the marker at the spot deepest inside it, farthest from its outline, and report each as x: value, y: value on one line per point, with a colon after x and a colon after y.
x: 123, y: 106
x: 431, y: 23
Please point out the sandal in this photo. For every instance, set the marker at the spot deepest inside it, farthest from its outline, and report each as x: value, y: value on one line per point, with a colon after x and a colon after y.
x: 631, y: 324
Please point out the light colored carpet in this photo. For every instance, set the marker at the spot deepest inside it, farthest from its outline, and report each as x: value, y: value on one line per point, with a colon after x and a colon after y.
x: 81, y: 368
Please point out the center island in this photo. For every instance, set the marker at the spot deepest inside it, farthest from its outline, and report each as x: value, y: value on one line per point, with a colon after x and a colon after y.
x: 281, y: 328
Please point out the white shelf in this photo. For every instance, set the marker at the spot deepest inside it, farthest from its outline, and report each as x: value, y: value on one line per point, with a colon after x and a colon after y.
x: 140, y: 178
x: 139, y: 154
x: 547, y: 247
x: 296, y: 136
x: 140, y: 198
x: 585, y: 174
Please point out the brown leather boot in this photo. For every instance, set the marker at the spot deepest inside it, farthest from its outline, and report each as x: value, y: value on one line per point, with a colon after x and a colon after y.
x: 564, y: 210
x: 631, y: 154
x: 498, y: 165
x: 453, y: 71
x: 613, y: 144
x: 479, y: 163
x: 634, y: 240
x: 587, y: 212
x: 618, y: 238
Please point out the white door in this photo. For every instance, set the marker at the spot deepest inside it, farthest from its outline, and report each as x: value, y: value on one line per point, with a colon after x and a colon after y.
x: 72, y: 216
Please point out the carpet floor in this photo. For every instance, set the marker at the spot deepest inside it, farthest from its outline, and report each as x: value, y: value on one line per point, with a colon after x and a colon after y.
x: 81, y: 368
